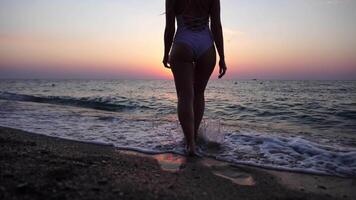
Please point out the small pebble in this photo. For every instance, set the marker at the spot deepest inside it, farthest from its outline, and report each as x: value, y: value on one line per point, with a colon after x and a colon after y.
x: 116, y: 191
x: 24, y: 188
x: 322, y: 187
x: 22, y: 185
x: 8, y: 175
x: 44, y: 152
x: 103, y: 181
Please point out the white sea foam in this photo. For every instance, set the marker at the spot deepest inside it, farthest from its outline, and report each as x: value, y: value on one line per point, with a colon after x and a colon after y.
x: 210, y: 133
x: 289, y: 153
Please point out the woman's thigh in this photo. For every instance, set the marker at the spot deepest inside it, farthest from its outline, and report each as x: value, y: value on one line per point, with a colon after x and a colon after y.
x: 203, y: 69
x: 181, y: 61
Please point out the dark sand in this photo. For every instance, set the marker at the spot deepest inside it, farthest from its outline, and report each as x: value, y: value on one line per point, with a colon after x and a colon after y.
x: 34, y: 166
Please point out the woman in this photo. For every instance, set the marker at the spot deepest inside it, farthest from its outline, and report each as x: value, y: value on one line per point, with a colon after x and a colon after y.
x: 191, y: 56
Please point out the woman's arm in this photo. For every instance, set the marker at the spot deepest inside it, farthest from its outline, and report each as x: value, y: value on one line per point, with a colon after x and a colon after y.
x: 216, y: 29
x: 169, y: 30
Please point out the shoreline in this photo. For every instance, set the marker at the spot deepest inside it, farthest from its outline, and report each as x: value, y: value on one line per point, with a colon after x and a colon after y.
x: 34, y: 166
x: 152, y: 153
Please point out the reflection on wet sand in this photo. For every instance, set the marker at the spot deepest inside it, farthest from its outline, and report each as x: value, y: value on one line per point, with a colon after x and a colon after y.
x: 240, y: 178
x: 170, y: 162
x: 229, y: 172
x: 167, y: 161
x: 336, y: 187
x: 174, y: 163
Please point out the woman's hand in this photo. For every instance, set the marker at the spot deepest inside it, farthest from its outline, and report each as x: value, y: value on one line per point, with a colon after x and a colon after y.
x: 165, y: 61
x: 222, y: 69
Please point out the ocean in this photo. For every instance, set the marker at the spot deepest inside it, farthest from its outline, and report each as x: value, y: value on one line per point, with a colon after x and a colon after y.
x: 304, y: 126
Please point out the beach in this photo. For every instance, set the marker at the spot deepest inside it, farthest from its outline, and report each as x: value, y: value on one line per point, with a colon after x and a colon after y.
x: 35, y: 166
x: 299, y: 126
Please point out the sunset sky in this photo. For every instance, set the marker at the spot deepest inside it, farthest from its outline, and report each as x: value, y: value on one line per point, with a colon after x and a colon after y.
x: 265, y: 39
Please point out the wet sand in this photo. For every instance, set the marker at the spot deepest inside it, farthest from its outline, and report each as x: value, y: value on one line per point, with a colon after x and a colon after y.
x: 34, y: 166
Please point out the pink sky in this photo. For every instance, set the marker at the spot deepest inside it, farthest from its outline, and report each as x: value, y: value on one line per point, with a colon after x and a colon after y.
x: 281, y: 39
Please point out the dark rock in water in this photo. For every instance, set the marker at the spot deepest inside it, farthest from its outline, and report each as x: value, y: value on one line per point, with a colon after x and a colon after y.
x: 235, y: 83
x: 53, y: 84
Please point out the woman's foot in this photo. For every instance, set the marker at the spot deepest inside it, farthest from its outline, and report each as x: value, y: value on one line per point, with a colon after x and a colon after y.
x: 190, y: 150
x: 196, y: 138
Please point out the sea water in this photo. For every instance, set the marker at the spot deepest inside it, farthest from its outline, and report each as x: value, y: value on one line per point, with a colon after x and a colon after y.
x: 307, y: 126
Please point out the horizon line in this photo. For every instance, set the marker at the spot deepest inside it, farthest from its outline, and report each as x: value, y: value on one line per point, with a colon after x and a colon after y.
x: 163, y: 79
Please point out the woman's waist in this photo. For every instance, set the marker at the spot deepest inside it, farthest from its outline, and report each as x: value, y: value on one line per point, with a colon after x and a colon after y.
x: 194, y: 24
x: 204, y: 37
x: 182, y: 31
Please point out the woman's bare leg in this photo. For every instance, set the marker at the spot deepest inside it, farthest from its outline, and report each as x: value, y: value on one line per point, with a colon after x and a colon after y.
x: 183, y: 71
x: 203, y: 69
